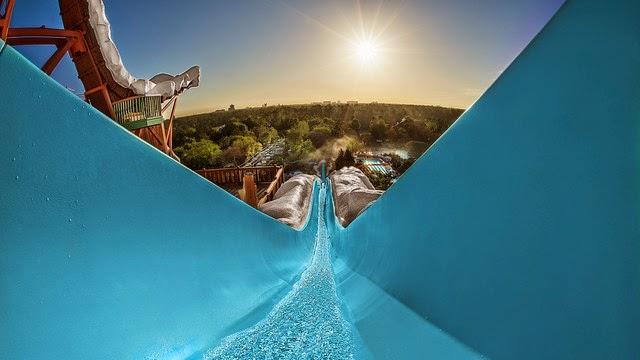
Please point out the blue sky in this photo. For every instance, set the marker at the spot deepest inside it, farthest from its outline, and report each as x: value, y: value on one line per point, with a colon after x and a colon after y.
x: 270, y: 51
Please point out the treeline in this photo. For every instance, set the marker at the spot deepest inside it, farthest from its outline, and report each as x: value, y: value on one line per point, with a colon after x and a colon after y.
x: 228, y: 138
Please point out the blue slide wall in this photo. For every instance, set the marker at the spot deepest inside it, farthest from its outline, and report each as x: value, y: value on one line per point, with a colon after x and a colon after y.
x: 518, y: 232
x: 110, y: 249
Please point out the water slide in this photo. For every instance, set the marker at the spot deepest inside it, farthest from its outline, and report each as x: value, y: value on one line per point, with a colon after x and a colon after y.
x: 516, y: 236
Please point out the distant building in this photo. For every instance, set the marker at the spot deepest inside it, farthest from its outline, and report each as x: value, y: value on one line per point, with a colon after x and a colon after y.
x: 326, y: 102
x: 352, y: 102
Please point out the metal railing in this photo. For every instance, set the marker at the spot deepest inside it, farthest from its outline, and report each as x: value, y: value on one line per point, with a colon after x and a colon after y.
x: 137, y: 108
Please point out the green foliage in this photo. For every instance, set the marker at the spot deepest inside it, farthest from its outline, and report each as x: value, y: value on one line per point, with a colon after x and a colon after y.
x: 416, y: 148
x: 340, y: 128
x: 265, y: 134
x: 299, y: 150
x: 381, y: 181
x: 320, y: 134
x: 186, y: 135
x: 251, y: 122
x: 249, y: 145
x: 298, y: 132
x: 432, y: 126
x: 306, y: 127
x: 399, y: 164
x: 235, y: 127
x: 378, y: 129
x: 345, y: 158
x: 354, y: 144
x: 200, y: 154
x: 238, y: 148
x: 355, y: 125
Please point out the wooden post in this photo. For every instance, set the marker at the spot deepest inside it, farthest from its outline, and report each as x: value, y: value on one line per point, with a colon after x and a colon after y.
x: 250, y: 190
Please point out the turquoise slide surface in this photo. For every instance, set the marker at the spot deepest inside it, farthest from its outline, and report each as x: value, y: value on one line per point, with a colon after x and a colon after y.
x: 516, y: 236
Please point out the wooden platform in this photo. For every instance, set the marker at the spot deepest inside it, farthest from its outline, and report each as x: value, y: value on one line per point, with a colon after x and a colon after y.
x: 234, y: 189
x: 266, y: 178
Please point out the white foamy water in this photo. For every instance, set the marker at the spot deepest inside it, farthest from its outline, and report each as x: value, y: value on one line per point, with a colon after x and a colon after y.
x: 307, y: 323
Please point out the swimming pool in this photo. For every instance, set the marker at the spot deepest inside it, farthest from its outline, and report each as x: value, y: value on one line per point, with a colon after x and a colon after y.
x: 377, y: 166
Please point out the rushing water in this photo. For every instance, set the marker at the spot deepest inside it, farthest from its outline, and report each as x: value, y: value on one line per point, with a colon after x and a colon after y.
x: 307, y: 323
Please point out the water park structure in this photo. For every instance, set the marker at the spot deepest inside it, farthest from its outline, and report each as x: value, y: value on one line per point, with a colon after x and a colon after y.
x: 515, y: 236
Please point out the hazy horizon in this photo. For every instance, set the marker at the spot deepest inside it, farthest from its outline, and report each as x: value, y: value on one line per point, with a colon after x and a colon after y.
x: 440, y: 53
x: 341, y: 102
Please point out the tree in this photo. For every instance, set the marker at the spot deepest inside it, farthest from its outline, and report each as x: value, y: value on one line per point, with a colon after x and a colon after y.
x: 233, y: 156
x: 432, y: 126
x: 338, y: 129
x: 355, y: 125
x: 349, y: 160
x: 399, y: 164
x: 300, y: 149
x: 378, y: 129
x: 381, y: 181
x: 416, y: 148
x: 265, y: 134
x: 345, y: 158
x: 339, y: 161
x: 319, y: 135
x: 248, y: 144
x: 298, y: 132
x: 354, y: 144
x: 232, y: 107
x: 238, y: 148
x: 187, y: 135
x: 200, y: 154
x: 234, y: 127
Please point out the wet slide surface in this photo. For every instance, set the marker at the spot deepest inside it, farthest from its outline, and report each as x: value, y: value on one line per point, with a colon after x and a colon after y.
x: 333, y: 313
x: 307, y: 323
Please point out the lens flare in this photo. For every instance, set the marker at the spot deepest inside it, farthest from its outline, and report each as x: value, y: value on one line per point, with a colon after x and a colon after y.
x: 366, y: 51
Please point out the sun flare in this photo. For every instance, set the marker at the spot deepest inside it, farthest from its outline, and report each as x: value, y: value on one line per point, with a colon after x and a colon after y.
x: 366, y: 51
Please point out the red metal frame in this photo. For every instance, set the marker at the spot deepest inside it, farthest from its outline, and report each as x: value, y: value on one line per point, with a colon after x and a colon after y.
x: 5, y: 17
x: 63, y: 40
x: 75, y: 43
x: 71, y: 41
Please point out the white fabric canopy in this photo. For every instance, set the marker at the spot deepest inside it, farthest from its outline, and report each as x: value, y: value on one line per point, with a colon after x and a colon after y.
x: 161, y: 84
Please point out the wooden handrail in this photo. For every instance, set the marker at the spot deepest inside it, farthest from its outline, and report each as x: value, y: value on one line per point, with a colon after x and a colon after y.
x: 236, y: 176
x: 273, y: 187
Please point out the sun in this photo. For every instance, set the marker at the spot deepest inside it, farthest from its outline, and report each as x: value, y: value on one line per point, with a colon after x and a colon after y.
x: 366, y: 51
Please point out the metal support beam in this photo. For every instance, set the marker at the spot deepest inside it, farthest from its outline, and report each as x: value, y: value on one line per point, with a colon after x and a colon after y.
x: 5, y: 17
x: 64, y: 41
